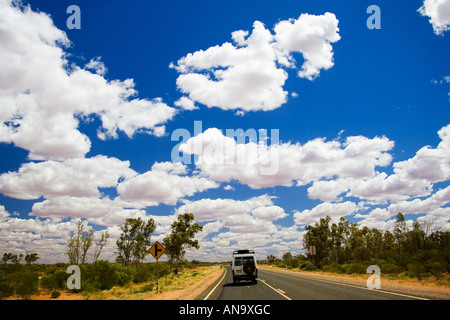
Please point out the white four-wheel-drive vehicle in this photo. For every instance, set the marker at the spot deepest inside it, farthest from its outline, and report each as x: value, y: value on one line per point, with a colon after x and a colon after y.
x: 244, y: 266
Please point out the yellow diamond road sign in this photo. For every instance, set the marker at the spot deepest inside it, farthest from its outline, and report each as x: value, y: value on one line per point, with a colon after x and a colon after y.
x: 157, y: 250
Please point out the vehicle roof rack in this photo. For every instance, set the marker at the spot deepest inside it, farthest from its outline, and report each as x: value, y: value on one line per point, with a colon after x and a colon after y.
x: 242, y: 251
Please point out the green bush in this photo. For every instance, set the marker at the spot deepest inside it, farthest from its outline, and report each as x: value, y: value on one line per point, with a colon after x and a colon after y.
x: 390, y: 267
x: 334, y: 267
x: 436, y: 268
x: 355, y: 268
x: 6, y: 289
x: 416, y: 269
x: 48, y: 282
x: 57, y: 280
x: 101, y: 275
x: 125, y: 275
x: 55, y: 294
x: 163, y: 269
x: 25, y: 283
x: 144, y: 273
x: 15, y: 278
x: 307, y: 265
x: 147, y: 287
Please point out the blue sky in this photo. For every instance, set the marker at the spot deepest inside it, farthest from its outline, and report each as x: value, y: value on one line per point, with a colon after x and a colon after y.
x: 90, y: 116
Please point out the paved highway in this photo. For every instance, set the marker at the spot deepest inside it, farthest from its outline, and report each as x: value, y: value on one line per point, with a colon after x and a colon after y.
x: 278, y: 286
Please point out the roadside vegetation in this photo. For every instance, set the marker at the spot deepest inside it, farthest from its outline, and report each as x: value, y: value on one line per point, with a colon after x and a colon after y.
x: 99, y: 280
x: 344, y: 248
x: 128, y: 271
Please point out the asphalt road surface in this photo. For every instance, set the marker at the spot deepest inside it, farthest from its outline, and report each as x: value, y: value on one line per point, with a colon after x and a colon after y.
x: 277, y: 286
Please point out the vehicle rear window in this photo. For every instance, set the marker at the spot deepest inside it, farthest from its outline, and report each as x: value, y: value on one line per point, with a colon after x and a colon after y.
x: 239, y: 261
x: 248, y: 259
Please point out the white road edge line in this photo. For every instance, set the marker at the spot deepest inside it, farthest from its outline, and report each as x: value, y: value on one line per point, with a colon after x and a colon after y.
x: 276, y: 290
x: 206, y: 298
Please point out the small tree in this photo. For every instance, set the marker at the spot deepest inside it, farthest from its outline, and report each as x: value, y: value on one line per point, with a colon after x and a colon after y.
x: 134, y: 240
x: 181, y: 238
x: 6, y: 257
x: 400, y: 230
x: 14, y: 258
x: 287, y: 259
x: 79, y: 244
x: 99, y: 245
x: 388, y: 245
x: 31, y: 257
x: 86, y: 243
x: 318, y: 235
x: 271, y: 259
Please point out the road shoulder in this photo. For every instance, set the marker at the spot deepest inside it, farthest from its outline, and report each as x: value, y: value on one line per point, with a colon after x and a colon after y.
x: 192, y: 292
x: 212, y: 292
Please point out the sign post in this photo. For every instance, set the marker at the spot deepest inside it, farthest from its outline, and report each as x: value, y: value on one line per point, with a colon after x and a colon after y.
x: 312, y: 251
x: 157, y: 250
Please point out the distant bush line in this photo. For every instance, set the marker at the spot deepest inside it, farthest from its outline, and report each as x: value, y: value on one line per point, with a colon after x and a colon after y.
x: 346, y: 248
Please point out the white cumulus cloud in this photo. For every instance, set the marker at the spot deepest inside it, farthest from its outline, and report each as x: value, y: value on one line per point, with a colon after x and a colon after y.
x: 166, y: 182
x: 248, y: 75
x: 334, y: 210
x: 43, y: 96
x: 223, y: 159
x: 438, y: 12
x: 311, y: 36
x: 73, y: 177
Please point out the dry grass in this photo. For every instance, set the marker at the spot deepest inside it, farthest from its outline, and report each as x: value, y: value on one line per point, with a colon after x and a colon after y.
x: 187, y: 285
x: 147, y: 290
